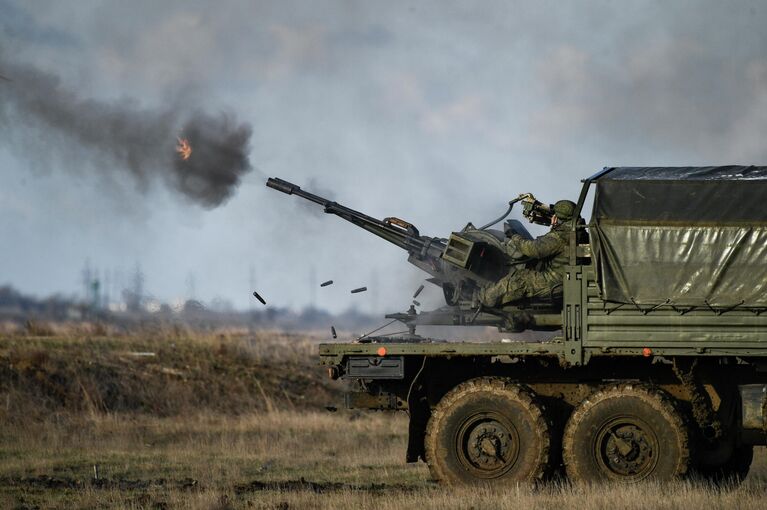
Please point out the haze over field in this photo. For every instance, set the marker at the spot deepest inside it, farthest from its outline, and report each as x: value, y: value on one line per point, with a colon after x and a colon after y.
x: 436, y: 112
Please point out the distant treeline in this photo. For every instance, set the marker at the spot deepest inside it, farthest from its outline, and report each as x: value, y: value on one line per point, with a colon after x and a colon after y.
x: 18, y: 308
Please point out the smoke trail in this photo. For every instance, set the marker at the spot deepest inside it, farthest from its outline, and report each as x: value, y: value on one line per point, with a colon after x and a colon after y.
x: 121, y: 136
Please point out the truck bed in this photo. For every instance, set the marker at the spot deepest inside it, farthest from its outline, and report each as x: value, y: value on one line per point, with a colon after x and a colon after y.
x: 333, y: 353
x: 594, y: 327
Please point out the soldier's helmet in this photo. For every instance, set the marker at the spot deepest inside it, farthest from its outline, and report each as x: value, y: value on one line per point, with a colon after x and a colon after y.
x: 564, y: 209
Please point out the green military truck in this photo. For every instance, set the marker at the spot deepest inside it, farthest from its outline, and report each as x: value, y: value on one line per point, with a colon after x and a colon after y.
x: 656, y: 366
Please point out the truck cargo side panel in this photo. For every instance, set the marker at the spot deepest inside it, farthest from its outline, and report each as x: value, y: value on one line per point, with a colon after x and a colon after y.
x: 699, y: 329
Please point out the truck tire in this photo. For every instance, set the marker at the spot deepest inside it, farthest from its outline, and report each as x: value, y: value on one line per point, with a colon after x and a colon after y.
x: 732, y: 472
x: 626, y: 433
x: 488, y: 430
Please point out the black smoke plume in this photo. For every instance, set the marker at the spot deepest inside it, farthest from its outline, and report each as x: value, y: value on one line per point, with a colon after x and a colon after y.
x: 219, y: 157
x: 49, y: 118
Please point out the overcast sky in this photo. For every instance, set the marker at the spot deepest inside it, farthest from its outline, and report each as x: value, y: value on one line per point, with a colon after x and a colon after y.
x: 436, y: 112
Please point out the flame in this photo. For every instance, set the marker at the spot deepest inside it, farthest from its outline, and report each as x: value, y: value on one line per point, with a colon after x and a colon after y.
x: 183, y: 148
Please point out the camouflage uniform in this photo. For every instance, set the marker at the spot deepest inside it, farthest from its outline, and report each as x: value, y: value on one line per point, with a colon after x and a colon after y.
x: 551, y: 251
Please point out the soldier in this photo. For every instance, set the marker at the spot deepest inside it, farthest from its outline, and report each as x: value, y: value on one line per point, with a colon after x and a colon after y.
x: 551, y: 252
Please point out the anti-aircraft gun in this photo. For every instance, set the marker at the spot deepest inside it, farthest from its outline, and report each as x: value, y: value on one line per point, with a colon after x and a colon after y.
x: 461, y: 264
x: 659, y: 370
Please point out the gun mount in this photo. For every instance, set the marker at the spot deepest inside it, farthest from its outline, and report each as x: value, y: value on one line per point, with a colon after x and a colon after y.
x: 460, y: 264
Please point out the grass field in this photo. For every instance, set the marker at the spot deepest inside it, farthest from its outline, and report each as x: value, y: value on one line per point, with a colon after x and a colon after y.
x: 65, y: 418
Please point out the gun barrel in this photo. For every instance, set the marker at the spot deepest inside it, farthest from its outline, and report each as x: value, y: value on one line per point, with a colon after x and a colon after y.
x: 293, y: 189
x: 280, y: 185
x: 393, y: 230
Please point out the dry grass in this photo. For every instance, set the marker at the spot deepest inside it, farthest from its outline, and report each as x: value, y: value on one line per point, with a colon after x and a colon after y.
x: 279, y: 456
x: 302, y: 460
x: 164, y: 374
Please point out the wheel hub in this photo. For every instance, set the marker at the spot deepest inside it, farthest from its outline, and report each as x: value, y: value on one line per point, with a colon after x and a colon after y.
x: 626, y: 450
x: 488, y: 445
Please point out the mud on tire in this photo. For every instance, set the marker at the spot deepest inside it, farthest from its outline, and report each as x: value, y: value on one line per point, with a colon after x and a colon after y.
x: 488, y: 430
x: 626, y: 433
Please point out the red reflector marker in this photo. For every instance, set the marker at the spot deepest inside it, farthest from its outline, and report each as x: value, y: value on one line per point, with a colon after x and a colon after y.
x: 382, y: 351
x: 646, y: 352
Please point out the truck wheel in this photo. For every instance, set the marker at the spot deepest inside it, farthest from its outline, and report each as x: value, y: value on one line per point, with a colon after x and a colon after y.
x: 487, y: 430
x: 626, y: 433
x: 732, y: 472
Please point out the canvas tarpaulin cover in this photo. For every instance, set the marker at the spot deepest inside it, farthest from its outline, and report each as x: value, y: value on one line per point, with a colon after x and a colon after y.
x: 688, y: 236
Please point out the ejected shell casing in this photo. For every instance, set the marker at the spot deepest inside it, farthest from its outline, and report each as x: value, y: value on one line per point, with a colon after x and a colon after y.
x: 257, y: 296
x: 325, y: 284
x: 418, y: 292
x: 361, y: 289
x: 333, y: 331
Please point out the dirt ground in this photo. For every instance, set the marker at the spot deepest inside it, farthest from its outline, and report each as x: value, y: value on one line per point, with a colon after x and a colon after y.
x: 69, y: 438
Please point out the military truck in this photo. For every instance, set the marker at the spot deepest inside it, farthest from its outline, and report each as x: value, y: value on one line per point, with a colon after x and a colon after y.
x: 656, y: 364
